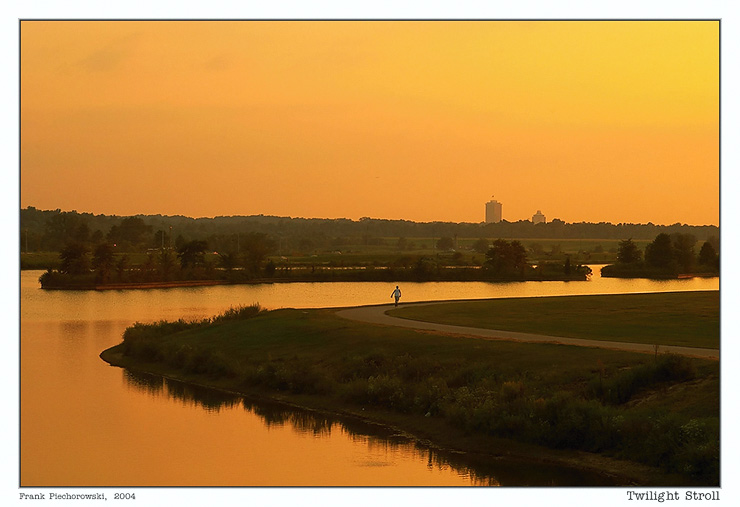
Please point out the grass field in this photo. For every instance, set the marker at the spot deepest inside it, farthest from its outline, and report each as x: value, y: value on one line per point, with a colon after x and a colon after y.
x: 689, y: 319
x: 659, y: 411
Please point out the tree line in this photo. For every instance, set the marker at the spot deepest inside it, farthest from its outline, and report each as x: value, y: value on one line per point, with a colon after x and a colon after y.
x: 51, y: 230
x: 667, y: 255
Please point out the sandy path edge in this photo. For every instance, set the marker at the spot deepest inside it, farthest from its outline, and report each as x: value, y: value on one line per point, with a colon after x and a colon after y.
x: 377, y: 315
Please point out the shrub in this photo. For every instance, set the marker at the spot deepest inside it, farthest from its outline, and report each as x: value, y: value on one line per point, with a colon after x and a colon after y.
x: 623, y: 386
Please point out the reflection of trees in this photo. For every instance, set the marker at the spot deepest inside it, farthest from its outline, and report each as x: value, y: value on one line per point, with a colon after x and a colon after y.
x: 480, y: 469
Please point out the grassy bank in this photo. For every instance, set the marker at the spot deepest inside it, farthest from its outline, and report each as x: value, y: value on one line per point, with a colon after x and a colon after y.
x: 662, y: 412
x: 689, y: 319
x: 642, y: 270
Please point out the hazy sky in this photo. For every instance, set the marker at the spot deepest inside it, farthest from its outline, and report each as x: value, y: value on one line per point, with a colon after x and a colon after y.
x: 587, y: 121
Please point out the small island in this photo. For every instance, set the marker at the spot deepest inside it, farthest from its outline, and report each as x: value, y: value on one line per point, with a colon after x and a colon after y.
x: 191, y: 265
x: 155, y: 251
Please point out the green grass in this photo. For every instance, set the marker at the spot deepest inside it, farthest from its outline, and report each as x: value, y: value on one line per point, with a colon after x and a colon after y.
x: 557, y: 396
x: 40, y: 260
x: 689, y: 319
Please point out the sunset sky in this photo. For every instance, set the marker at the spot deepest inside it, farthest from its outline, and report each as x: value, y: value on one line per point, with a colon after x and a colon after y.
x: 587, y: 121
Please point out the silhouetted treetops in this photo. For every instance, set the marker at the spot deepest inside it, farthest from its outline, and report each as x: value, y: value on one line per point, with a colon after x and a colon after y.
x: 51, y: 230
x: 668, y: 255
x: 154, y: 247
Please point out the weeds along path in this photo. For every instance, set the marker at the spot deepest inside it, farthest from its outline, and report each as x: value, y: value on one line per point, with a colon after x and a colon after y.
x: 377, y: 315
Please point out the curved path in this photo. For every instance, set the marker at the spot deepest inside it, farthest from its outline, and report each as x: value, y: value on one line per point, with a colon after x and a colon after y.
x: 378, y: 315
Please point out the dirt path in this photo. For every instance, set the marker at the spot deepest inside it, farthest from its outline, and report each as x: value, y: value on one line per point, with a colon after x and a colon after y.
x: 377, y: 315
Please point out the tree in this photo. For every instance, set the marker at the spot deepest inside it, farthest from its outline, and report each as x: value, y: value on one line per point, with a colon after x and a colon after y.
x: 74, y: 259
x: 714, y: 242
x: 82, y: 233
x: 256, y: 246
x: 132, y: 230
x: 659, y: 253
x: 683, y: 250
x: 506, y: 257
x: 102, y: 261
x: 628, y: 252
x: 481, y: 246
x: 192, y: 254
x: 445, y: 243
x: 708, y: 255
x: 60, y: 229
x: 122, y: 266
x: 228, y: 260
x: 97, y: 237
x: 166, y: 260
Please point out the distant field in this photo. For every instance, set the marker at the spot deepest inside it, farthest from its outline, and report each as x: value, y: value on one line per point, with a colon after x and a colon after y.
x: 689, y: 319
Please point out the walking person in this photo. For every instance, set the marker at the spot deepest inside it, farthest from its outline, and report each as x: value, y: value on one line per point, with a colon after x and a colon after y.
x: 396, y: 294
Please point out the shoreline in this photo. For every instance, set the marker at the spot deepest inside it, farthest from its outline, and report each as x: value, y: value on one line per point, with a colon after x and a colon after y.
x: 440, y: 438
x: 261, y: 281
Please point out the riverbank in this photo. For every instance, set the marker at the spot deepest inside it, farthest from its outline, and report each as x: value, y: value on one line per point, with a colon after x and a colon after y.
x: 143, y: 279
x: 640, y: 270
x: 624, y: 413
x: 426, y: 434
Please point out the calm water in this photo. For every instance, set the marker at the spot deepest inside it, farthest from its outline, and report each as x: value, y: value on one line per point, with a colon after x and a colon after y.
x: 84, y: 423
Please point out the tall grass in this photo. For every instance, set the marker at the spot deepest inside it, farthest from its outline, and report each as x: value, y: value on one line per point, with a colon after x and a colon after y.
x: 621, y: 387
x: 141, y: 340
x: 476, y: 396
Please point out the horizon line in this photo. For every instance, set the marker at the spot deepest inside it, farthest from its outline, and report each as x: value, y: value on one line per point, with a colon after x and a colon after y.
x: 483, y: 222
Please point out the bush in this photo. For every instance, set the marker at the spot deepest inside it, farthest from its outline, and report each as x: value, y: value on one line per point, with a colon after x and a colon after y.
x: 622, y: 387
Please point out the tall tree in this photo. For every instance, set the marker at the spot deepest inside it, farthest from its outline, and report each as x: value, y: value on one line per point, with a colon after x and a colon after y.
x: 660, y: 253
x: 628, y: 252
x: 192, y: 254
x: 683, y: 249
x: 506, y: 257
x: 708, y: 255
x: 166, y: 260
x: 255, y: 247
x: 74, y: 259
x: 102, y: 261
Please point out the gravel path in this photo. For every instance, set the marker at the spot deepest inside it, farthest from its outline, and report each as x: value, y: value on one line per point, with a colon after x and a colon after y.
x: 377, y: 315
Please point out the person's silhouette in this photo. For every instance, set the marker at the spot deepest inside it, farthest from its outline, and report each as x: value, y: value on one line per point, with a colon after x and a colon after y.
x: 396, y: 294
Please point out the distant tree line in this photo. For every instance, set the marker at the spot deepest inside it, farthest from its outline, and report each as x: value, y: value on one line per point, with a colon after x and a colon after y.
x: 52, y: 230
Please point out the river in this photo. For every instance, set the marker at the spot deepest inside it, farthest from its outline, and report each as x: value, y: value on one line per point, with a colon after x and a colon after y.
x: 85, y: 423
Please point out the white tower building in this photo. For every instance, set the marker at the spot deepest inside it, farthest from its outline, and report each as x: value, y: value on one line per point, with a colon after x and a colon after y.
x: 493, y: 211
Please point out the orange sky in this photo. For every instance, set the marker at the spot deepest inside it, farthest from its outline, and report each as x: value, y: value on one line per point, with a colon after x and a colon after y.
x: 588, y: 121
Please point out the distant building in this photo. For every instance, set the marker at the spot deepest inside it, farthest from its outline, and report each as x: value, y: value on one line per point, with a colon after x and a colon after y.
x: 493, y: 211
x: 538, y: 218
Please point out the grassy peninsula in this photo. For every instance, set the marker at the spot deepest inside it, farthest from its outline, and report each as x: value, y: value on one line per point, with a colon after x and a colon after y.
x: 651, y: 419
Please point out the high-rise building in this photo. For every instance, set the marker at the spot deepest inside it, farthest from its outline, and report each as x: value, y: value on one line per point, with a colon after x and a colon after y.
x: 493, y: 211
x: 538, y: 218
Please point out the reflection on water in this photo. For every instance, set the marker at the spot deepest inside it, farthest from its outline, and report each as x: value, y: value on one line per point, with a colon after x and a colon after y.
x: 477, y: 469
x: 83, y: 424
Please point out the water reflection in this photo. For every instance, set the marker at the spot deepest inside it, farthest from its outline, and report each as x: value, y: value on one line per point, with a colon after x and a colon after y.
x: 478, y: 469
x: 83, y: 424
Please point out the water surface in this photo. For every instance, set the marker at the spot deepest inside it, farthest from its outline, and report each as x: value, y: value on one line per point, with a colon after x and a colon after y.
x: 85, y: 423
